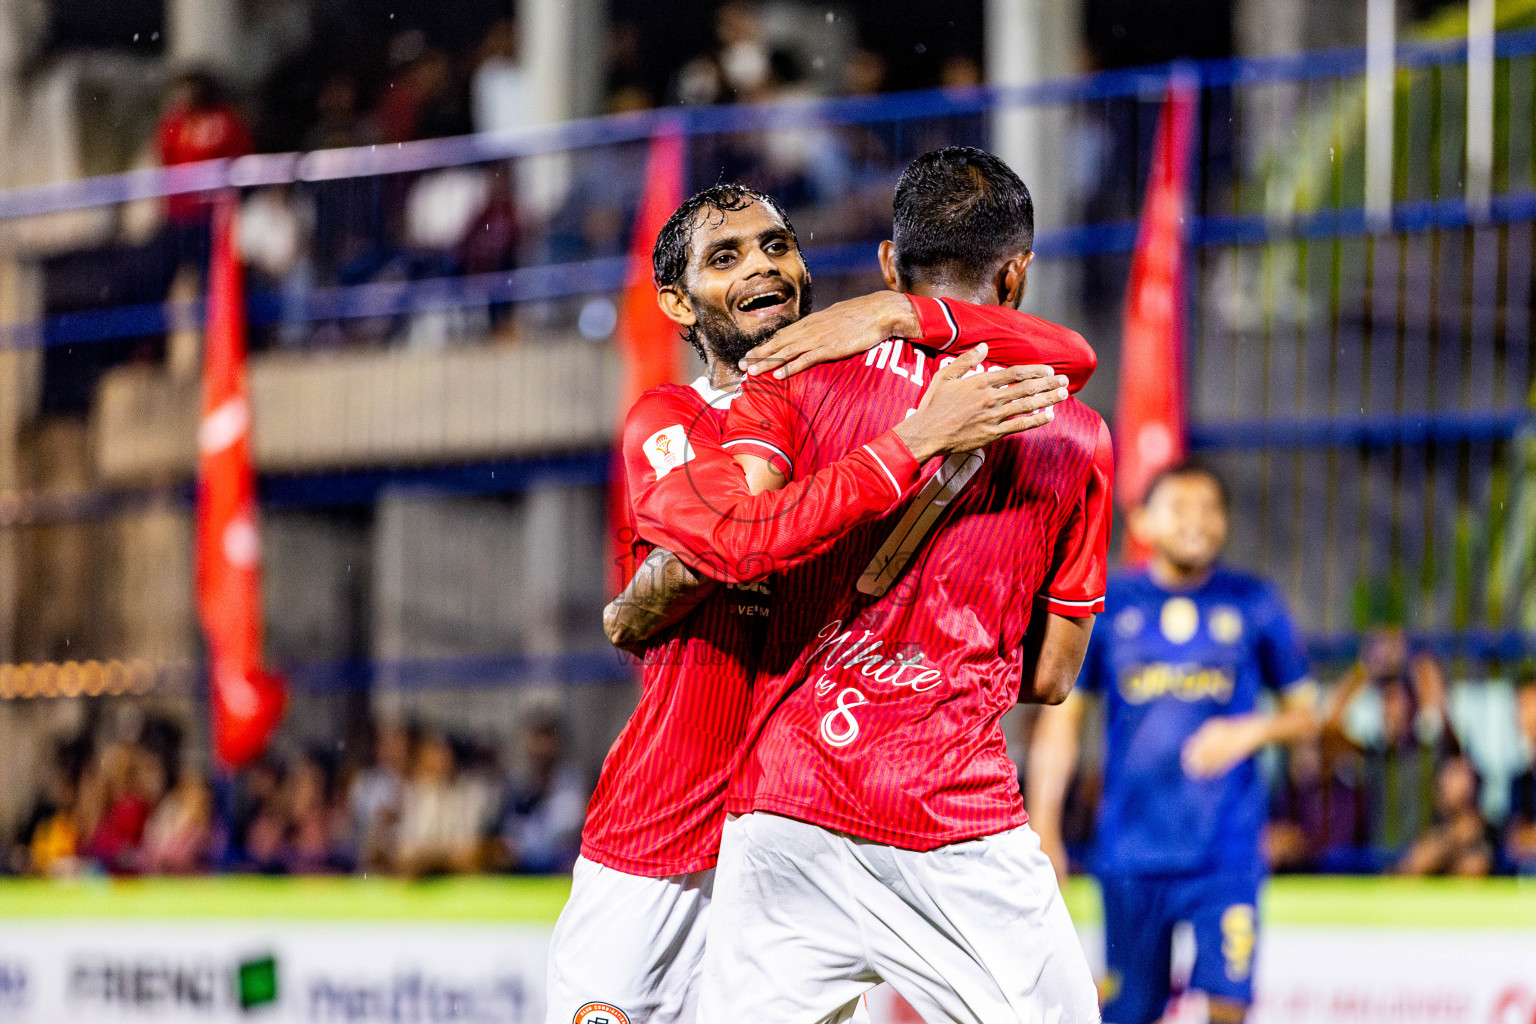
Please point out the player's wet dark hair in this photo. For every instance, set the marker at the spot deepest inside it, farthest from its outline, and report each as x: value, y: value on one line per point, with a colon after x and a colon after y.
x: 669, y: 259
x: 960, y: 212
x: 1188, y: 468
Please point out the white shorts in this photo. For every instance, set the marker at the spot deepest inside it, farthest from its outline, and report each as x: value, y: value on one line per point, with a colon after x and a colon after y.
x: 628, y: 942
x: 806, y: 920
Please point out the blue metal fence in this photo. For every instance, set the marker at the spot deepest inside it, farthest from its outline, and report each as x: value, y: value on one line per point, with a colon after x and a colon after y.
x: 1367, y: 387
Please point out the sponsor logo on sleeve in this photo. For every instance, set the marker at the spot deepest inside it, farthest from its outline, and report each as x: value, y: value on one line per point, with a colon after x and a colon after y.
x: 667, y: 449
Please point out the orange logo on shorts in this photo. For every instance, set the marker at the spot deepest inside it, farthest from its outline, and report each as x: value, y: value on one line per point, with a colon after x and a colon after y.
x: 600, y: 1013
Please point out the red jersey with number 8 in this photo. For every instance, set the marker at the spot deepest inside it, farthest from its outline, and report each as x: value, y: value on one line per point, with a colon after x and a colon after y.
x: 877, y: 704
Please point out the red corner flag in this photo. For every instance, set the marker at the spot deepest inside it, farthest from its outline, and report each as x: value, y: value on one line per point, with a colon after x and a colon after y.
x: 1149, y: 415
x: 647, y: 340
x: 245, y: 703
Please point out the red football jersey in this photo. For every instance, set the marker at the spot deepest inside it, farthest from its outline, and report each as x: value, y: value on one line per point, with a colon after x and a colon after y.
x: 878, y: 716
x: 659, y: 803
x: 1013, y: 338
x: 719, y: 529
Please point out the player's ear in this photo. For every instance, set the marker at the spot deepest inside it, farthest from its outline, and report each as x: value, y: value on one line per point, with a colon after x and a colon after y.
x: 888, y: 269
x: 1013, y: 278
x: 675, y: 304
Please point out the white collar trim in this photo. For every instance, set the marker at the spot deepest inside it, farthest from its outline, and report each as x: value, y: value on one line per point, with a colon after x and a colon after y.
x: 713, y: 395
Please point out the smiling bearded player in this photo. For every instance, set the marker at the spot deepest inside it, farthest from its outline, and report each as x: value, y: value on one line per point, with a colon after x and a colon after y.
x: 628, y: 944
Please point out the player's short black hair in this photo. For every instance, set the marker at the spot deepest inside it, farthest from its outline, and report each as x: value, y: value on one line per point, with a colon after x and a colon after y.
x: 1188, y: 468
x: 960, y: 211
x: 669, y: 257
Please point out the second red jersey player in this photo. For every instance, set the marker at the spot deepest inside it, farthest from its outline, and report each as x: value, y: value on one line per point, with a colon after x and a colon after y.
x: 881, y: 835
x: 894, y: 735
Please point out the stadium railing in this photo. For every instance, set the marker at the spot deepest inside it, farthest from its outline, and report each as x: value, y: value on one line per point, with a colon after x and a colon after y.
x: 1366, y: 385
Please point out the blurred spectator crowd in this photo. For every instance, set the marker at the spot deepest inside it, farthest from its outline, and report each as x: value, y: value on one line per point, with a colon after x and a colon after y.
x: 1412, y: 774
x: 421, y: 802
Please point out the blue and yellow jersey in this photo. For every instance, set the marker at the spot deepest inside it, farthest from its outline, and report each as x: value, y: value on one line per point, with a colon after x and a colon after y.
x: 1165, y: 663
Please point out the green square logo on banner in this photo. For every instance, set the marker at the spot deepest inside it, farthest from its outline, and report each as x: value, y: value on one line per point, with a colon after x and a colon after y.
x: 256, y: 982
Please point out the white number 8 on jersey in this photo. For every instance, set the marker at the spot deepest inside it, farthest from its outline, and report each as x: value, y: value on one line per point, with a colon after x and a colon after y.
x: 838, y: 726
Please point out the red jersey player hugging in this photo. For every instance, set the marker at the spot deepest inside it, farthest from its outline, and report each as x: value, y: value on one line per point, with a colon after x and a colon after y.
x: 630, y: 941
x: 877, y: 830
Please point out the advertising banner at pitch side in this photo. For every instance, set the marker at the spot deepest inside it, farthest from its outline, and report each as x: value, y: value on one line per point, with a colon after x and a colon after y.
x: 90, y: 972
x: 1340, y: 974
x: 122, y: 971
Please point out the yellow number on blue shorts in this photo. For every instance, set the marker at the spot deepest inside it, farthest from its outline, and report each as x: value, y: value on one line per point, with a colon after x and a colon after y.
x: 1237, y: 940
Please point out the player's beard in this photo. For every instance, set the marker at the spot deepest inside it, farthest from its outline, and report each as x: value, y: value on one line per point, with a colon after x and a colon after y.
x: 727, y: 342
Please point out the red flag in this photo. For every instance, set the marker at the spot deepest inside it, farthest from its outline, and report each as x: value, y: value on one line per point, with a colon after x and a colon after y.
x: 1149, y: 415
x: 647, y: 340
x: 245, y: 703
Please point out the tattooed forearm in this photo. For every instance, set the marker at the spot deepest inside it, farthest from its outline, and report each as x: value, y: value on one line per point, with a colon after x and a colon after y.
x: 662, y: 592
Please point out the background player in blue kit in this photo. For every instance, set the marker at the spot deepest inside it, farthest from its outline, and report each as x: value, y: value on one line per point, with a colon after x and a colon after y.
x: 1184, y: 652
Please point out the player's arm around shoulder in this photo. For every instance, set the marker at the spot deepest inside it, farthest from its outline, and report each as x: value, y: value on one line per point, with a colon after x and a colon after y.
x: 662, y: 593
x: 947, y: 326
x: 844, y: 329
x: 656, y: 442
x: 764, y: 429
x: 682, y: 481
x: 1015, y: 337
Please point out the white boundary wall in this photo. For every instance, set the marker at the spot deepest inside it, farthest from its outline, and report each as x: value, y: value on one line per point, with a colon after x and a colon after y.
x: 116, y: 972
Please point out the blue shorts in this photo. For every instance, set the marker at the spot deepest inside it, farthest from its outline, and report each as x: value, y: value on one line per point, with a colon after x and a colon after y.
x: 1140, y: 912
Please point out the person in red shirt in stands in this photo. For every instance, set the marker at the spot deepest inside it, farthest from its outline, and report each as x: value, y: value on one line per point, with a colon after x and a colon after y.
x: 199, y: 123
